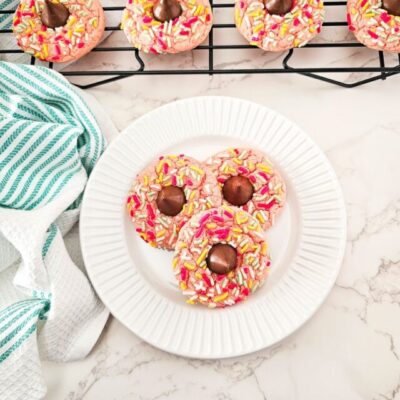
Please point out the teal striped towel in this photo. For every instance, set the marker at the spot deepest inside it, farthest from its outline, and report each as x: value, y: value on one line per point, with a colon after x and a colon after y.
x: 49, y: 144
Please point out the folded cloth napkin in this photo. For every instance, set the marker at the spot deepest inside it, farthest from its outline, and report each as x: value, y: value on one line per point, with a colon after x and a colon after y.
x: 49, y: 144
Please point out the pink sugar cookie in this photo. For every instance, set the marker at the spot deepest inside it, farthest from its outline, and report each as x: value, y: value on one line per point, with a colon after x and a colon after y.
x: 278, y: 32
x: 82, y: 26
x: 165, y: 196
x: 182, y: 33
x: 249, y: 180
x: 374, y: 26
x: 221, y: 257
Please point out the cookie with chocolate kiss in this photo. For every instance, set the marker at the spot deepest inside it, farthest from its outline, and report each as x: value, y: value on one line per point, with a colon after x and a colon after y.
x: 380, y: 32
x: 166, y: 26
x: 166, y: 194
x: 279, y: 25
x: 58, y: 31
x: 221, y: 257
x: 248, y: 179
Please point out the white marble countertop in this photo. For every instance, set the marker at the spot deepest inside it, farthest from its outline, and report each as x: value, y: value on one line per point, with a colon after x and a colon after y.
x: 350, y: 349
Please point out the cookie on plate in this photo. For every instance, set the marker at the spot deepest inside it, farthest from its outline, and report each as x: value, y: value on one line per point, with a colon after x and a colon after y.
x: 167, y: 194
x: 375, y: 23
x: 58, y: 30
x: 278, y: 25
x: 221, y: 257
x: 166, y: 26
x: 247, y: 179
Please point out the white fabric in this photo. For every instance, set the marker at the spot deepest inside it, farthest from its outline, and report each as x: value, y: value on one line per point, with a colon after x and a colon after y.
x: 76, y: 317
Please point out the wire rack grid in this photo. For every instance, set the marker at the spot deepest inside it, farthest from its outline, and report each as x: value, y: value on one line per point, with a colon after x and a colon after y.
x: 102, y: 76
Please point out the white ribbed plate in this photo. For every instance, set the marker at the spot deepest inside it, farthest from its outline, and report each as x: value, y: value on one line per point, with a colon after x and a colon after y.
x: 136, y: 282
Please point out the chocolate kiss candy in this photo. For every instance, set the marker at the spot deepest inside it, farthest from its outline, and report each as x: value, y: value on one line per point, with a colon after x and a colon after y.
x: 278, y: 7
x: 392, y: 6
x: 238, y: 190
x: 54, y: 14
x: 166, y: 10
x: 221, y: 258
x: 170, y: 200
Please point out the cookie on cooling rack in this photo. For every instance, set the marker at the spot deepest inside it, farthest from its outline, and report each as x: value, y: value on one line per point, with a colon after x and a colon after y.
x: 375, y: 23
x: 221, y: 257
x: 58, y: 30
x: 167, y: 194
x: 278, y: 25
x: 247, y: 179
x: 166, y: 26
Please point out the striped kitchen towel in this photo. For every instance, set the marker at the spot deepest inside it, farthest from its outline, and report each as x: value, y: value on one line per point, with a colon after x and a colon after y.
x: 49, y: 144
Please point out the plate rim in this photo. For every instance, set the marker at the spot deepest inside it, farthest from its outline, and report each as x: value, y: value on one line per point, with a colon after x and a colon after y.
x: 340, y: 253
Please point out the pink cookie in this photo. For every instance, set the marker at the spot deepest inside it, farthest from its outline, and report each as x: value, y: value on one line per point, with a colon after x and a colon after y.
x: 221, y: 257
x: 374, y: 26
x: 58, y: 31
x: 165, y: 196
x: 249, y: 180
x: 182, y: 33
x: 279, y: 32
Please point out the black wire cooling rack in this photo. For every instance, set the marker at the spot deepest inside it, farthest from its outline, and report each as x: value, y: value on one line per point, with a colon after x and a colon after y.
x: 101, y: 76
